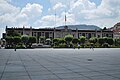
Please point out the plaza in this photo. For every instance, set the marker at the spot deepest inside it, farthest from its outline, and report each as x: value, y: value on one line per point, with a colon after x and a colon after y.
x: 60, y: 64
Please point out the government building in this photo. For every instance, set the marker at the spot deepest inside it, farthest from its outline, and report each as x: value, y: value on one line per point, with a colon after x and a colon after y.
x: 60, y: 32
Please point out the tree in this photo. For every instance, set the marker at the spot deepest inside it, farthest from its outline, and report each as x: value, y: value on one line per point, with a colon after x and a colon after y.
x: 104, y: 28
x: 31, y: 40
x: 117, y: 42
x: 68, y: 39
x: 55, y: 41
x: 110, y: 41
x: 93, y: 40
x: 82, y: 39
x: 42, y: 39
x: 48, y: 41
x: 25, y: 39
x: 16, y: 40
x: 75, y: 40
x: 105, y: 39
x: 9, y: 40
x: 61, y: 41
x: 13, y: 33
x: 101, y: 41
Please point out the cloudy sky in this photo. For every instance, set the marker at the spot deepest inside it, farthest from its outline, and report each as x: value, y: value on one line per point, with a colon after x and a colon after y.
x: 41, y: 13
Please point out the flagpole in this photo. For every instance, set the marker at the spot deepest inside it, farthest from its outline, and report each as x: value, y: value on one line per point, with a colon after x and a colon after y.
x: 65, y: 18
x: 55, y: 18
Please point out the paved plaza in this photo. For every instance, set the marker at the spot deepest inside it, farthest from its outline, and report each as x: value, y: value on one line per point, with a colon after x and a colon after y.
x: 60, y: 64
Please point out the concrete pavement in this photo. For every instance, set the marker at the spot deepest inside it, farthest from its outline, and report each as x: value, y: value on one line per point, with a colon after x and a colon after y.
x: 60, y: 64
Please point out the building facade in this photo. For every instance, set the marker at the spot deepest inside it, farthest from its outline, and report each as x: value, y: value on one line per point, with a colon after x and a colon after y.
x: 60, y: 33
x: 116, y: 31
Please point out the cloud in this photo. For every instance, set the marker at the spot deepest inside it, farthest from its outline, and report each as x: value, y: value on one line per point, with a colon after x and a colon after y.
x: 15, y: 16
x: 58, y: 8
x: 52, y: 21
x: 46, y: 21
x: 82, y: 12
x: 77, y: 12
x: 32, y: 10
x: 28, y: 14
x: 5, y: 7
x: 66, y: 2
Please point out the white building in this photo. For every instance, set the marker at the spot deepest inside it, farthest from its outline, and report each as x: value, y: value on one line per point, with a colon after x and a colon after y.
x: 116, y: 31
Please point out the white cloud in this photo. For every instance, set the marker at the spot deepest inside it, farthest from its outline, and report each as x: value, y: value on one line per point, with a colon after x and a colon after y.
x: 48, y: 20
x: 106, y: 14
x: 77, y: 12
x: 14, y: 16
x: 5, y: 7
x: 51, y: 21
x: 32, y: 10
x: 28, y: 14
x: 66, y: 2
x: 58, y: 8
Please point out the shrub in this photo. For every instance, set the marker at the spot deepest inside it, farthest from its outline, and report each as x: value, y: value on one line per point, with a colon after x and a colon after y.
x: 82, y: 39
x: 68, y: 39
x: 105, y: 45
x: 75, y: 40
x: 93, y: 40
x: 110, y: 41
x: 100, y: 41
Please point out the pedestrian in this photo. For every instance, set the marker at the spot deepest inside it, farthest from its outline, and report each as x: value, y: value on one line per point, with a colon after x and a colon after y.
x: 15, y: 48
x: 78, y: 46
x: 92, y: 46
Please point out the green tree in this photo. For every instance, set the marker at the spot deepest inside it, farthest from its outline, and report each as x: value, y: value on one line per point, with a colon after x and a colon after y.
x: 75, y: 40
x: 31, y: 40
x: 82, y: 39
x: 42, y: 39
x: 13, y: 33
x: 93, y: 40
x: 61, y: 41
x: 9, y: 40
x: 101, y: 41
x: 25, y: 39
x: 48, y: 41
x: 105, y: 39
x: 110, y: 41
x: 104, y: 28
x: 56, y: 41
x: 117, y: 42
x: 68, y: 39
x: 16, y: 40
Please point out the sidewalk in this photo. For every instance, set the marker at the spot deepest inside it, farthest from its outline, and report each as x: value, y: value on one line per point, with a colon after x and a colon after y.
x: 60, y: 64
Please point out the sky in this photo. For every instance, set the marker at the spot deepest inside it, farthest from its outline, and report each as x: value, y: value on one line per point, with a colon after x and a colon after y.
x: 41, y: 13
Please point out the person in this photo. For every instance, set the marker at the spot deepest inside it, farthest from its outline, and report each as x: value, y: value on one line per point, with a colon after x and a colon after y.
x: 78, y: 46
x: 73, y: 46
x: 15, y: 47
x: 91, y: 46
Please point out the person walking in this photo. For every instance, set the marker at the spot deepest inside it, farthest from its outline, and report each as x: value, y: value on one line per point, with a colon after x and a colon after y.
x: 78, y: 46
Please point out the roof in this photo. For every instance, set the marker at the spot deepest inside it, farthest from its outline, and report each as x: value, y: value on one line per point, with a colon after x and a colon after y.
x: 57, y: 29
